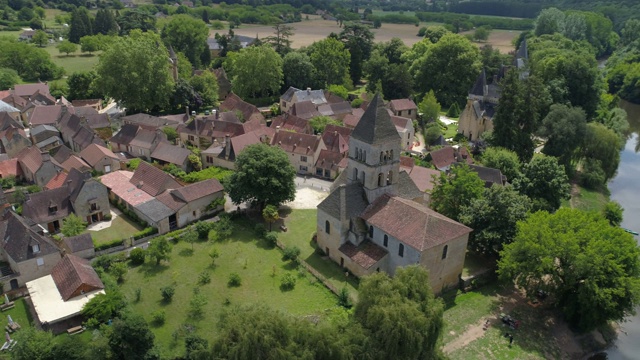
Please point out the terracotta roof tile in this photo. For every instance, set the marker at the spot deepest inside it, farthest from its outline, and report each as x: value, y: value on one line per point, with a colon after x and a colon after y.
x: 303, y: 144
x: 329, y: 160
x: 119, y: 183
x: 49, y: 114
x: 56, y: 181
x: 402, y: 104
x: 423, y: 177
x: 366, y: 254
x: 292, y: 123
x: 10, y: 167
x: 94, y: 153
x: 79, y: 243
x: 30, y: 89
x: 153, y: 180
x: 412, y: 223
x: 234, y: 102
x: 74, y: 276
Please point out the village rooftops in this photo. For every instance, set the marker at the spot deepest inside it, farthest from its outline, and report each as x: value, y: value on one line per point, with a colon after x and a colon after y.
x: 27, y: 90
x: 119, y: 183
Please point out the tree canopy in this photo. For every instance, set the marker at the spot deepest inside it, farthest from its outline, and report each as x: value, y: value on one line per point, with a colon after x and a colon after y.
x: 331, y: 61
x: 590, y: 269
x: 264, y: 176
x: 358, y: 39
x: 565, y: 128
x: 257, y: 72
x: 188, y: 35
x: 545, y: 182
x: 134, y: 71
x: 298, y: 71
x: 31, y: 63
x: 493, y: 218
x: 454, y: 191
x: 504, y: 160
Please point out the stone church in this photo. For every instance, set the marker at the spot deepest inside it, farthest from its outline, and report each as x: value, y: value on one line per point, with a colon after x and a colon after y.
x: 373, y: 219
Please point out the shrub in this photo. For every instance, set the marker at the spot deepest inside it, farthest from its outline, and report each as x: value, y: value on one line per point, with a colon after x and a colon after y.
x: 291, y: 253
x: 260, y: 229
x: 454, y: 110
x: 198, y: 301
x: 138, y: 294
x: 214, y: 254
x: 167, y: 293
x: 158, y: 317
x: 234, y: 280
x: 108, y: 245
x: 204, y: 278
x: 118, y: 270
x: 107, y: 217
x: 356, y: 103
x: 136, y: 256
x: 344, y: 299
x: 145, y: 232
x: 203, y: 228
x: 271, y: 238
x: 287, y: 281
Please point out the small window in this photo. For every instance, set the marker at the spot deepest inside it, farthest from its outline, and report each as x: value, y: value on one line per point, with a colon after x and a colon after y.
x: 191, y: 138
x: 194, y: 214
x: 303, y: 168
x: 303, y: 158
x: 40, y: 261
x: 210, y: 159
x: 409, y: 112
x: 445, y: 249
x: 35, y: 248
x: 401, y: 250
x: 327, y: 227
x: 385, y: 242
x: 319, y: 171
x: 370, y: 231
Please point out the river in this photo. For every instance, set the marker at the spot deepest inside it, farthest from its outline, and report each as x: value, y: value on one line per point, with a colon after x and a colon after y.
x: 625, y: 190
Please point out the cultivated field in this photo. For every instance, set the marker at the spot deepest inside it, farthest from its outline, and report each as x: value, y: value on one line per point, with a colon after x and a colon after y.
x: 309, y: 31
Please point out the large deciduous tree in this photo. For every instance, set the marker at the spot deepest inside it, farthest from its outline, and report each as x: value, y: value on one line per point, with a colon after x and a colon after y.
x: 449, y: 68
x: 188, y: 35
x: 565, y: 128
x: 81, y: 86
x: 603, y: 145
x: 257, y: 72
x: 130, y: 337
x: 590, y: 269
x: 331, y: 61
x: 8, y: 78
x: 454, y: 191
x: 493, y: 218
x: 263, y: 176
x: 358, y: 39
x: 206, y: 86
x: 298, y: 71
x: 504, y: 160
x: 280, y: 40
x: 545, y: 182
x: 401, y: 315
x: 134, y: 71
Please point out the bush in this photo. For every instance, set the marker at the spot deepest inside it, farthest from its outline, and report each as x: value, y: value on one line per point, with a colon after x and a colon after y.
x: 356, y: 103
x: 204, y: 278
x: 158, y: 317
x: 344, y: 299
x: 136, y: 256
x: 108, y: 245
x: 198, y: 301
x: 145, y: 232
x: 592, y: 176
x: 271, y: 238
x: 287, y: 281
x: 107, y: 217
x: 167, y: 293
x: 138, y: 294
x: 291, y: 253
x: 203, y: 228
x: 454, y: 110
x: 234, y: 280
x: 260, y: 230
x: 118, y: 270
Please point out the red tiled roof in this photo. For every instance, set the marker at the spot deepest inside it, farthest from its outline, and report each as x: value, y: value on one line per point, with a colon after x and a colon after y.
x: 412, y: 223
x: 234, y: 102
x: 56, y: 181
x: 335, y: 142
x: 242, y: 141
x: 423, y: 177
x: 446, y: 156
x: 10, y: 167
x: 119, y: 183
x: 171, y: 153
x: 74, y: 162
x: 402, y: 104
x: 30, y: 89
x: 407, y: 163
x: 31, y: 158
x: 329, y: 160
x: 351, y: 120
x: 292, y: 123
x: 153, y: 180
x: 296, y: 143
x: 45, y: 114
x: 199, y: 190
x: 94, y: 153
x: 366, y: 254
x: 74, y: 276
x: 401, y: 122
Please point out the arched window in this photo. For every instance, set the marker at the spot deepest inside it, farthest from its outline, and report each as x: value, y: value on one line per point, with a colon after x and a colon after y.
x: 401, y: 250
x: 390, y: 178
x: 385, y: 242
x: 370, y: 231
x: 445, y: 249
x: 355, y: 155
x: 360, y: 154
x: 364, y: 156
x: 381, y: 156
x: 327, y: 227
x: 380, y: 180
x: 363, y: 177
x: 355, y: 174
x: 391, y: 155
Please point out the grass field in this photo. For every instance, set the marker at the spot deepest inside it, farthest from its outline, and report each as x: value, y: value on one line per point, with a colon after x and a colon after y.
x: 259, y: 265
x: 587, y: 199
x: 77, y: 62
x: 120, y: 228
x: 301, y: 225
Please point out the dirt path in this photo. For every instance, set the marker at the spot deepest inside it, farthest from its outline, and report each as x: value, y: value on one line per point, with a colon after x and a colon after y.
x: 575, y: 191
x: 473, y: 333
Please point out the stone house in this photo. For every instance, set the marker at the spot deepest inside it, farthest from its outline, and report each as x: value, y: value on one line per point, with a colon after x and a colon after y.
x: 45, y: 137
x: 26, y: 91
x: 294, y: 95
x: 293, y: 123
x: 100, y: 158
x: 27, y: 251
x: 249, y: 112
x: 79, y: 245
x: 302, y: 149
x: 137, y: 140
x: 225, y: 155
x: 37, y: 167
x: 405, y: 130
x: 329, y: 164
x: 166, y: 153
x: 13, y: 140
x: 373, y: 220
x: 443, y: 158
x: 404, y: 108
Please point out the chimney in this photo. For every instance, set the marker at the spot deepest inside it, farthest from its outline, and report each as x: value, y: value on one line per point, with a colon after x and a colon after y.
x: 335, y: 133
x: 227, y: 146
x: 217, y: 114
x: 187, y: 110
x: 278, y: 129
x: 308, y: 90
x: 140, y: 184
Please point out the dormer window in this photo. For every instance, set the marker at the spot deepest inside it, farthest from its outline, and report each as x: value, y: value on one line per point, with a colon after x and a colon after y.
x: 53, y: 209
x: 35, y: 248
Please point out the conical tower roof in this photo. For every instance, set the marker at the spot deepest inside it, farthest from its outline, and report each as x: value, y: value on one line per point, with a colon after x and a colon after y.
x: 375, y: 126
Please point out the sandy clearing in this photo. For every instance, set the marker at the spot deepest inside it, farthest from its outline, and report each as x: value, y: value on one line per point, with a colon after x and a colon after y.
x: 307, y: 198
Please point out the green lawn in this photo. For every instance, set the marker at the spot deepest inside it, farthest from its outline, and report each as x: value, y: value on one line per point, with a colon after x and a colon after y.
x: 121, y: 227
x: 589, y: 200
x: 259, y: 265
x: 301, y: 225
x: 20, y: 314
x: 11, y: 34
x: 451, y: 131
x: 76, y: 62
x: 535, y: 339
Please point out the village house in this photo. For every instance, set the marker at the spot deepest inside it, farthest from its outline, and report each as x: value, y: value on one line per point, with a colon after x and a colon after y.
x: 44, y: 115
x: 11, y: 168
x: 329, y: 164
x: 45, y: 137
x: 293, y: 123
x: 424, y: 178
x: 27, y: 35
x: 25, y: 91
x: 249, y: 112
x: 28, y: 253
x: 304, y: 109
x: 404, y: 107
x: 37, y: 167
x: 225, y: 155
x: 148, y: 122
x: 490, y: 176
x: 293, y: 95
x: 94, y: 103
x: 241, y: 40
x: 371, y: 220
x: 405, y: 129
x: 336, y: 110
x: 100, y: 158
x: 58, y: 298
x: 13, y: 140
x: 79, y: 245
x: 9, y: 111
x: 443, y: 158
x: 302, y: 149
x: 137, y: 140
x: 165, y: 153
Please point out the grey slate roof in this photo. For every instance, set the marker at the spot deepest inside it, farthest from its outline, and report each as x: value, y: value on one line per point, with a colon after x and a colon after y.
x: 490, y: 176
x: 79, y: 242
x: 355, y: 201
x: 17, y: 236
x: 4, y: 107
x: 481, y: 82
x: 155, y: 210
x: 376, y: 126
x: 407, y: 189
